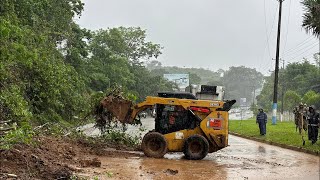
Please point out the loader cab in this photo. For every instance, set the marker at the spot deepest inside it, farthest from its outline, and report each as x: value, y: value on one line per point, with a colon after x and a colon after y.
x: 171, y: 118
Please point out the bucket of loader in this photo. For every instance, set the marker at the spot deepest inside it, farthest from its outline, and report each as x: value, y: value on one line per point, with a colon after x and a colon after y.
x: 119, y: 107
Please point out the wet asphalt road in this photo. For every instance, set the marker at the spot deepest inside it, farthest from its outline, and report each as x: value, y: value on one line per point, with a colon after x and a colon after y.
x: 242, y: 159
x: 246, y: 159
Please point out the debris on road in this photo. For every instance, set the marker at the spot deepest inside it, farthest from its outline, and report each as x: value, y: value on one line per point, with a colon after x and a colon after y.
x: 171, y: 171
x: 95, y: 162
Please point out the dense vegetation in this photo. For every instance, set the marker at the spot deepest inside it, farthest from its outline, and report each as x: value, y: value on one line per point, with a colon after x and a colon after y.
x: 51, y: 68
x: 298, y: 82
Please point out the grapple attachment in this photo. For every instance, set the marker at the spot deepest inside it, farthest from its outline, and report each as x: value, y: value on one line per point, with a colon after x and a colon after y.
x: 119, y: 107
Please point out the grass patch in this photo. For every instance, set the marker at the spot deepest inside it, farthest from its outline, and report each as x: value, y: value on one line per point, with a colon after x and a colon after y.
x: 282, y: 132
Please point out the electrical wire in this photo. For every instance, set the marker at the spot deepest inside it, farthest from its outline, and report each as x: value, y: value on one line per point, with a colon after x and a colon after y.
x: 268, y: 34
x: 309, y: 56
x: 265, y: 21
x: 293, y: 57
x: 301, y: 44
x: 285, y: 44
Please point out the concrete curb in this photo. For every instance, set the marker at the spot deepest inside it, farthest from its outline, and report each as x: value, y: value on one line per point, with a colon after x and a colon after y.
x: 295, y: 148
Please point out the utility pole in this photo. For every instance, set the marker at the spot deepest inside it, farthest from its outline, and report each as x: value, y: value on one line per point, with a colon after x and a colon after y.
x: 283, y: 86
x: 276, y: 71
x: 254, y: 94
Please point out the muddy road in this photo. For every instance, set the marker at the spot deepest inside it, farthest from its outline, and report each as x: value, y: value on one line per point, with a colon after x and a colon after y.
x: 243, y: 159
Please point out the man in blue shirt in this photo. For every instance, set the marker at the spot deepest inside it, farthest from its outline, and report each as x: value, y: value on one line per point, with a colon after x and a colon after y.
x: 262, y: 120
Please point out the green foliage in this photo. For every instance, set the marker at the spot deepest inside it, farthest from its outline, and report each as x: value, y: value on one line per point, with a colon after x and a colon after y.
x: 23, y: 134
x: 308, y: 95
x: 240, y: 82
x: 53, y: 72
x: 291, y: 99
x: 117, y: 56
x: 36, y: 85
x: 114, y: 137
x: 312, y: 98
x: 311, y: 17
x: 298, y: 82
x: 301, y: 76
x: 119, y: 137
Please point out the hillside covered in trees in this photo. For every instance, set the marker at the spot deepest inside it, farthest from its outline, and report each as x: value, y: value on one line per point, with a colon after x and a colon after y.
x: 51, y: 68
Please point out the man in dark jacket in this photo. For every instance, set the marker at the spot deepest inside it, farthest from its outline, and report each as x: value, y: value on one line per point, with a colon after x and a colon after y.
x: 262, y: 120
x: 313, y: 124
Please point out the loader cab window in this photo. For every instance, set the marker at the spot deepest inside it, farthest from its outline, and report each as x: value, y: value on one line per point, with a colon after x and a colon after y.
x: 173, y: 118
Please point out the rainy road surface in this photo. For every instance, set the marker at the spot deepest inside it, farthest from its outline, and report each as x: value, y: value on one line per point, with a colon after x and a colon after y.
x: 242, y: 159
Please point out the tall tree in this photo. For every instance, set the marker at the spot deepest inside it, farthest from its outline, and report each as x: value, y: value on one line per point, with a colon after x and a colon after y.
x: 35, y: 81
x: 311, y: 17
x: 117, y: 58
x: 241, y: 82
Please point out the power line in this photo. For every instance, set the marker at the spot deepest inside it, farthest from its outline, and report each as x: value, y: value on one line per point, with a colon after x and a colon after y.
x: 298, y: 45
x: 304, y: 51
x: 265, y: 21
x: 268, y: 34
x: 310, y: 56
x: 300, y: 52
x: 285, y: 44
x: 312, y: 43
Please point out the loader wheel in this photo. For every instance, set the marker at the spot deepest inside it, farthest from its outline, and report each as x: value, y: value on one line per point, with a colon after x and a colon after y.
x: 196, y: 147
x: 154, y: 145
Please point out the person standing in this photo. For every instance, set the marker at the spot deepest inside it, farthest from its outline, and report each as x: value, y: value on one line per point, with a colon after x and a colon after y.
x: 262, y: 120
x: 296, y: 117
x: 313, y: 124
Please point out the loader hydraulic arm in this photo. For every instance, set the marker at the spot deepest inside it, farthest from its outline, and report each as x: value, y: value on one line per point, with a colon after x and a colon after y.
x: 137, y: 109
x: 148, y: 103
x: 126, y: 112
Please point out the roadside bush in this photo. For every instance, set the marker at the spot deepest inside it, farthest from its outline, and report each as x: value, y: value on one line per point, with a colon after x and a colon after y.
x: 120, y: 137
x: 23, y: 134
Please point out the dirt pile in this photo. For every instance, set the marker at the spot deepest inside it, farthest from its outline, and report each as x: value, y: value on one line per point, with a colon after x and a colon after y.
x: 47, y: 158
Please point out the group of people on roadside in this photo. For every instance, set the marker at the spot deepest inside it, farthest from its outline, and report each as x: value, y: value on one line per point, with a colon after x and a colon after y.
x: 308, y: 119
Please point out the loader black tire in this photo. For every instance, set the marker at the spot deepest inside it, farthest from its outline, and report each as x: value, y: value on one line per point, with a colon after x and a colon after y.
x: 154, y: 145
x: 196, y: 147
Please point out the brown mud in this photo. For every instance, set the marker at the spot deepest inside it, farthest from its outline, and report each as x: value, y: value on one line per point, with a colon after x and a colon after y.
x: 52, y: 158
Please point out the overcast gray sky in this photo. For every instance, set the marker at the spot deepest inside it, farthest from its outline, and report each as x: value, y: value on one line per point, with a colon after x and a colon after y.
x: 210, y: 33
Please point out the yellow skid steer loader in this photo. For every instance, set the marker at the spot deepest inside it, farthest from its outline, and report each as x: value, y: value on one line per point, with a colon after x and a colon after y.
x: 182, y: 123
